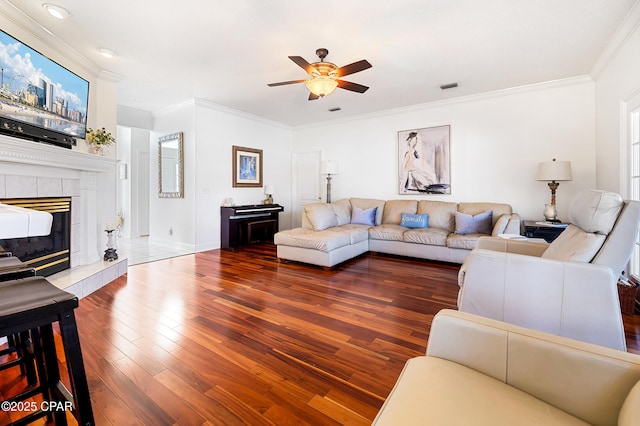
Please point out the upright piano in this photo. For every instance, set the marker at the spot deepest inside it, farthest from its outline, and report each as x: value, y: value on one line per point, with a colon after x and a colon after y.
x: 237, y: 223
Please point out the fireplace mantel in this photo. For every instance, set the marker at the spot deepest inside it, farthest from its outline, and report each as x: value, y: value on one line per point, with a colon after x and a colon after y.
x: 15, y: 150
x: 31, y: 169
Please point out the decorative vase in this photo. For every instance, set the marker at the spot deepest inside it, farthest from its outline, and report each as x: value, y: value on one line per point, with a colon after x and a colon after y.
x: 550, y: 213
x: 98, y: 149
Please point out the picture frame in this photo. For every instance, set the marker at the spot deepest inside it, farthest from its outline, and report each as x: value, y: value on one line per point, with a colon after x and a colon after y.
x: 247, y: 167
x: 424, y: 165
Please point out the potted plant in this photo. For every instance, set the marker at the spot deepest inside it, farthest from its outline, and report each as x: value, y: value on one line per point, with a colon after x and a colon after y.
x: 98, y: 139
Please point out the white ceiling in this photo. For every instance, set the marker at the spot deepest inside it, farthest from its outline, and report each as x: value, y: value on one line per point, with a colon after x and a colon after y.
x: 227, y: 51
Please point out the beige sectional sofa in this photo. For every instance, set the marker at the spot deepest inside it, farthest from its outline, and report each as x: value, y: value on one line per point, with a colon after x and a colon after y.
x: 333, y: 233
x: 479, y: 371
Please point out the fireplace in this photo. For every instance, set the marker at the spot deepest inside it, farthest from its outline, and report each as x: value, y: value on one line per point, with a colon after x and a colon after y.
x: 47, y: 254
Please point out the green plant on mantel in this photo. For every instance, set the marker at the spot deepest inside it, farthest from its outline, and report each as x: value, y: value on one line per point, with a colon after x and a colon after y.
x: 100, y: 137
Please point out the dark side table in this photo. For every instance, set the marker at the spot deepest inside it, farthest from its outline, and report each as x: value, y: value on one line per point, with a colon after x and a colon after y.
x: 537, y: 229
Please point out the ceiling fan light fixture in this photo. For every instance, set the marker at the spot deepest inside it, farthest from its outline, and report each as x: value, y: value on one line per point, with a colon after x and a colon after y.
x: 56, y: 11
x: 321, y: 85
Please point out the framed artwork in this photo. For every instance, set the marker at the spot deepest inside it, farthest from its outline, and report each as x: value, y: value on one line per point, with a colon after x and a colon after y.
x: 247, y: 167
x: 423, y: 161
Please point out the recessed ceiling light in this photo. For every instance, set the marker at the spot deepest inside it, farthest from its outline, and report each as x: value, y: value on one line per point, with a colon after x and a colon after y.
x: 107, y: 53
x: 56, y: 11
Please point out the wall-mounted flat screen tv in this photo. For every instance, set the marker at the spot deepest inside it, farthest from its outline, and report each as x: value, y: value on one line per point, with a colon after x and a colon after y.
x: 39, y: 98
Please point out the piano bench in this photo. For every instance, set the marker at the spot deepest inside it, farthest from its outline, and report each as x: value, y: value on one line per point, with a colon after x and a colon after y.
x: 267, y: 228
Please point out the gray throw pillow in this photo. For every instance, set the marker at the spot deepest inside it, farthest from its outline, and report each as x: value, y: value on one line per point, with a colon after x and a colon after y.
x: 478, y: 224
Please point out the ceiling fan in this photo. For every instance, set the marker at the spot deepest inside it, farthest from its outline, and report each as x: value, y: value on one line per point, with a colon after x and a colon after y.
x: 325, y: 76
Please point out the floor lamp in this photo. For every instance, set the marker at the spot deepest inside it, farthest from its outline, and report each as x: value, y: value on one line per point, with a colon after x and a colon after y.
x: 329, y: 168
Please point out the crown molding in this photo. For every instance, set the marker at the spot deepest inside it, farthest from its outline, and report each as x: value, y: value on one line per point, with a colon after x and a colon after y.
x: 629, y: 26
x: 189, y: 103
x: 200, y: 102
x: 217, y: 107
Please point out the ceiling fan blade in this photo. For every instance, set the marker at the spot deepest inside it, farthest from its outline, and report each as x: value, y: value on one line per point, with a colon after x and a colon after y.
x: 282, y: 83
x: 353, y: 68
x: 354, y: 87
x: 313, y: 97
x: 302, y: 63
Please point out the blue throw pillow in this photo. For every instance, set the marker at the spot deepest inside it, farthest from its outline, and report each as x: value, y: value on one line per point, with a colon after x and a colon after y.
x: 414, y: 220
x: 478, y: 224
x: 363, y: 217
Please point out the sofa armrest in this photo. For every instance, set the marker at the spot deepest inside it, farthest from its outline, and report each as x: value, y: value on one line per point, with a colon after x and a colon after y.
x: 588, y: 381
x: 507, y: 224
x: 544, y: 294
x: 529, y: 248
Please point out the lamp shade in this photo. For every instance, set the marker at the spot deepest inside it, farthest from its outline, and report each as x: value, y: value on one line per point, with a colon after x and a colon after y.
x: 554, y: 170
x: 322, y: 85
x: 329, y: 168
x: 268, y: 189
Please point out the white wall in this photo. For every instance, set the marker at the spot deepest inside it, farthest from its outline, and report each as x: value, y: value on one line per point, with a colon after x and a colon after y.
x: 218, y: 129
x: 123, y: 136
x: 616, y: 84
x: 171, y: 220
x: 497, y: 139
x: 210, y: 131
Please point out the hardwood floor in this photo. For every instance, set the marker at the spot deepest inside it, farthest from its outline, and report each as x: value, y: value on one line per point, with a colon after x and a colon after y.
x: 224, y: 338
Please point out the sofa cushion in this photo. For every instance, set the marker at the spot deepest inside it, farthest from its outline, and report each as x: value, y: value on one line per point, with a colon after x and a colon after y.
x: 595, y: 211
x: 414, y: 220
x: 356, y: 233
x: 393, y: 210
x: 367, y: 203
x: 342, y: 209
x: 463, y: 241
x: 430, y: 236
x: 363, y: 217
x: 386, y: 232
x: 481, y: 223
x: 327, y: 240
x: 574, y: 245
x: 441, y: 213
x: 321, y: 216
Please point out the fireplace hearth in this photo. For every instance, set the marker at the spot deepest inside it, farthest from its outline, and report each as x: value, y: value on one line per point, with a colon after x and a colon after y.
x: 47, y: 254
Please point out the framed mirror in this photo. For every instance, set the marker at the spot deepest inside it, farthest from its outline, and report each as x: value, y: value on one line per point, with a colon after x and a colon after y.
x: 170, y: 166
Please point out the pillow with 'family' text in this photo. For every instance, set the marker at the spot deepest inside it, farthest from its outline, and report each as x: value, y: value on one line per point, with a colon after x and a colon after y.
x: 414, y: 220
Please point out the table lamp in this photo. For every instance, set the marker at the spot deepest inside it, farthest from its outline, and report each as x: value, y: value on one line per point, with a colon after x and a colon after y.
x: 268, y: 191
x: 553, y: 171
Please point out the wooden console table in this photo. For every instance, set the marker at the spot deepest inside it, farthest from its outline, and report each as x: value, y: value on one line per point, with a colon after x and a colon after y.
x: 239, y: 223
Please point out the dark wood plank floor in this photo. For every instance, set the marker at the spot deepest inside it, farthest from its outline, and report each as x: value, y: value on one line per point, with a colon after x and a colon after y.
x: 224, y: 338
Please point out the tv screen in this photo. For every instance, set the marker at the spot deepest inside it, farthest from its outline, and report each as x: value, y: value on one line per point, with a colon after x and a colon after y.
x: 39, y: 92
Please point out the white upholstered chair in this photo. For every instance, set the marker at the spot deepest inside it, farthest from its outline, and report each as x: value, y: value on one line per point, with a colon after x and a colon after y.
x: 568, y: 287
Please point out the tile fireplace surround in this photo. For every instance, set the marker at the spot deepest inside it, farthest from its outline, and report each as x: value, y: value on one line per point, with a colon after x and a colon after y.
x: 30, y: 169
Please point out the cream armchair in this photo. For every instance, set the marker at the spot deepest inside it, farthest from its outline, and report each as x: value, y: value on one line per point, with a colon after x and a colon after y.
x: 479, y: 371
x: 568, y: 287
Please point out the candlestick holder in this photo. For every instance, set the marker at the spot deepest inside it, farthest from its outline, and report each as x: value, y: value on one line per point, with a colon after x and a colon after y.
x: 110, y: 253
